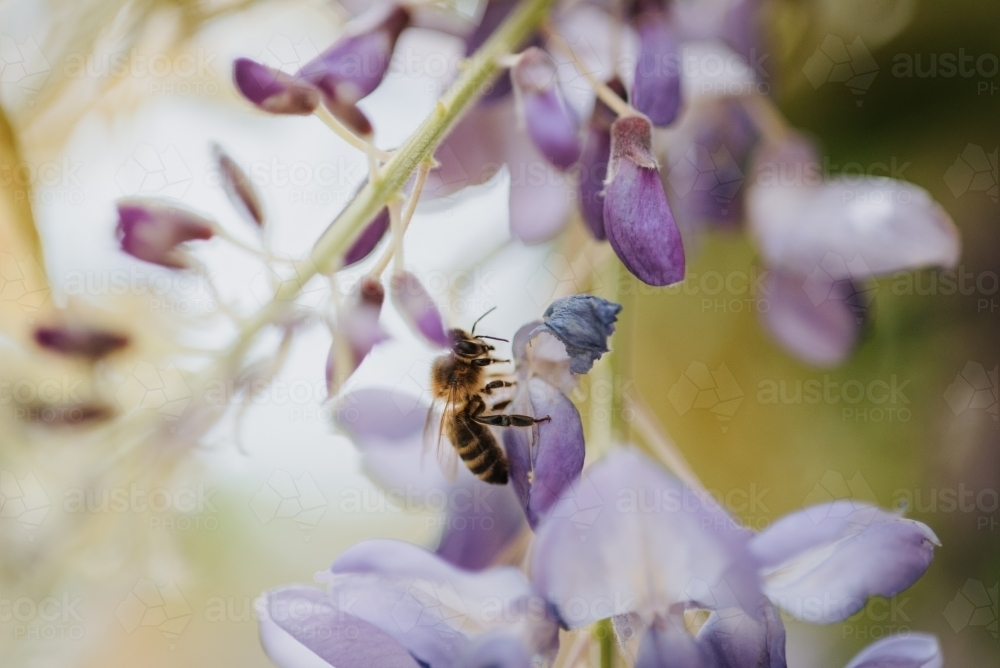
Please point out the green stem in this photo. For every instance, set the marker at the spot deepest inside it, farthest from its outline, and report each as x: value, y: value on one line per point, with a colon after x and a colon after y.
x: 480, y: 69
x: 605, y: 634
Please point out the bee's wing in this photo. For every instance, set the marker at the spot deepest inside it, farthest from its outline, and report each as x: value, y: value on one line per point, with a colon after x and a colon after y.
x: 434, y: 437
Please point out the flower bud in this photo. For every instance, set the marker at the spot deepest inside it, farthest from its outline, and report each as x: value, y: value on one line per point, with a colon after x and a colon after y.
x: 551, y: 124
x: 238, y: 187
x: 657, y: 88
x: 358, y: 324
x: 369, y: 237
x: 153, y: 231
x: 418, y: 309
x: 80, y: 341
x: 272, y: 90
x: 583, y: 323
x: 637, y: 216
x: 594, y: 162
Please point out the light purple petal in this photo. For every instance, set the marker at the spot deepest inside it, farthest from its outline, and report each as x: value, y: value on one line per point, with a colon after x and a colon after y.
x: 871, y: 225
x: 820, y: 326
x: 637, y: 216
x: 551, y: 123
x: 304, y: 618
x: 666, y: 644
x: 495, y: 651
x: 152, y: 231
x: 473, y: 151
x: 547, y: 457
x: 914, y: 650
x: 627, y: 537
x: 418, y: 309
x: 272, y: 90
x: 656, y: 91
x: 737, y: 639
x: 482, y: 521
x: 542, y: 355
x: 822, y: 563
x: 358, y: 325
x: 541, y: 196
x: 368, y: 239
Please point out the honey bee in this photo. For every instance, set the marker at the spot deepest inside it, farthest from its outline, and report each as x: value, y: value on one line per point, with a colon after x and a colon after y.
x: 458, y: 380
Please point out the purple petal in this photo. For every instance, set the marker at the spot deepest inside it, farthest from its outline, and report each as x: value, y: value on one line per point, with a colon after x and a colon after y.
x: 272, y: 90
x: 80, y: 341
x: 494, y: 14
x: 594, y: 162
x: 542, y: 355
x: 495, y: 651
x: 583, y: 323
x: 540, y: 195
x: 820, y: 326
x: 872, y: 225
x: 657, y: 88
x: 821, y: 564
x: 418, y: 309
x: 551, y: 123
x: 637, y: 217
x: 358, y: 324
x: 545, y: 459
x: 626, y: 537
x: 473, y: 151
x: 355, y: 65
x: 368, y: 239
x: 297, y: 618
x: 914, y: 650
x: 152, y: 231
x: 481, y: 523
x: 741, y: 640
x: 666, y: 644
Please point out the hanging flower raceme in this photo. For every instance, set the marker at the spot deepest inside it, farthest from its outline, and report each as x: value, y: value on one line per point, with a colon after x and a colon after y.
x: 418, y: 309
x: 551, y: 123
x: 594, y: 158
x: 272, y: 90
x: 154, y: 231
x: 656, y: 90
x: 637, y: 216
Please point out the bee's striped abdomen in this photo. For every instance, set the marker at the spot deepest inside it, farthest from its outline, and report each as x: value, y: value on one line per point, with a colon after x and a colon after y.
x: 479, y: 449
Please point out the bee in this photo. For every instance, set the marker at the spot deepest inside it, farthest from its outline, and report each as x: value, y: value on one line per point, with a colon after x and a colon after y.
x: 458, y: 379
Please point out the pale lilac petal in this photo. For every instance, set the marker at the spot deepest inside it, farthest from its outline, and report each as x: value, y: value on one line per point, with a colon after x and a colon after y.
x: 153, y: 231
x: 495, y: 651
x: 583, y: 323
x: 542, y: 355
x: 541, y: 196
x: 656, y: 91
x: 822, y: 563
x: 627, y: 537
x: 547, y: 457
x: 666, y: 644
x: 737, y: 639
x: 418, y: 309
x: 594, y: 162
x: 358, y: 327
x: 820, y: 326
x: 913, y: 650
x: 272, y: 90
x: 552, y: 125
x: 482, y: 521
x: 637, y: 216
x: 493, y: 15
x: 304, y: 618
x: 873, y: 225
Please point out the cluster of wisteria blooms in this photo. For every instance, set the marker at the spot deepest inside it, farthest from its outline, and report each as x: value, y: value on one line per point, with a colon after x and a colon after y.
x: 683, y: 583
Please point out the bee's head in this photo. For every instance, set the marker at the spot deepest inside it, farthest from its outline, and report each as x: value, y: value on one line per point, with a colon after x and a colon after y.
x: 466, y: 346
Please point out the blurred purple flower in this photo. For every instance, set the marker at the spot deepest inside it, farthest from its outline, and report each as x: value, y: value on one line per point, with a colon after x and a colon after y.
x: 594, y: 162
x: 914, y: 650
x: 274, y: 91
x: 418, y: 309
x: 77, y: 340
x: 369, y: 237
x: 583, y: 323
x: 656, y: 91
x: 153, y: 231
x: 238, y: 187
x: 551, y: 123
x: 637, y: 217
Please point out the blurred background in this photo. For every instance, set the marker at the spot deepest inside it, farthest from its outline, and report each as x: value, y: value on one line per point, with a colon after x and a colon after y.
x: 108, y: 99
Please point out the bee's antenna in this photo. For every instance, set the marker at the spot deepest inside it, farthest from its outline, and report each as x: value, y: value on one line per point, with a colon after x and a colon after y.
x: 495, y: 338
x: 480, y: 318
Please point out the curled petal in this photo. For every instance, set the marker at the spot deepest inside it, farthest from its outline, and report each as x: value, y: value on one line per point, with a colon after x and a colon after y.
x: 817, y: 319
x: 914, y: 650
x: 874, y: 225
x: 80, y: 341
x: 238, y: 187
x: 628, y: 538
x: 583, y: 323
x: 822, y: 563
x: 272, y: 90
x: 545, y: 459
x: 734, y: 637
x: 152, y: 231
x: 551, y: 123
x: 657, y: 88
x: 637, y: 217
x: 301, y: 627
x: 594, y: 162
x: 418, y: 309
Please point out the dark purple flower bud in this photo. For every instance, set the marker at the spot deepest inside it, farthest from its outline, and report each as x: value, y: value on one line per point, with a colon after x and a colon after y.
x: 594, y: 162
x: 238, y: 187
x: 153, y: 231
x: 734, y: 637
x: 80, y: 341
x: 477, y: 533
x: 551, y: 123
x: 657, y: 88
x: 637, y: 217
x: 912, y: 650
x: 545, y: 459
x: 369, y: 238
x: 358, y: 325
x: 356, y: 63
x: 494, y: 14
x: 418, y: 309
x: 272, y: 90
x: 583, y: 323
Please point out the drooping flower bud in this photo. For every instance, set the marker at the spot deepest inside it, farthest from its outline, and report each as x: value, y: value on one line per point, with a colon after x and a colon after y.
x: 238, y: 187
x: 356, y: 63
x: 637, y: 216
x: 594, y: 162
x: 551, y: 123
x: 583, y: 323
x: 153, y: 231
x: 657, y: 88
x: 369, y: 237
x: 272, y: 90
x: 358, y: 325
x: 80, y: 341
x: 418, y: 309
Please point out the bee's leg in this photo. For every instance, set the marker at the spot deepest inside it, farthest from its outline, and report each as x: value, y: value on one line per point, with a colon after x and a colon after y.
x: 500, y: 405
x: 496, y: 384
x: 486, y: 361
x: 509, y: 420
